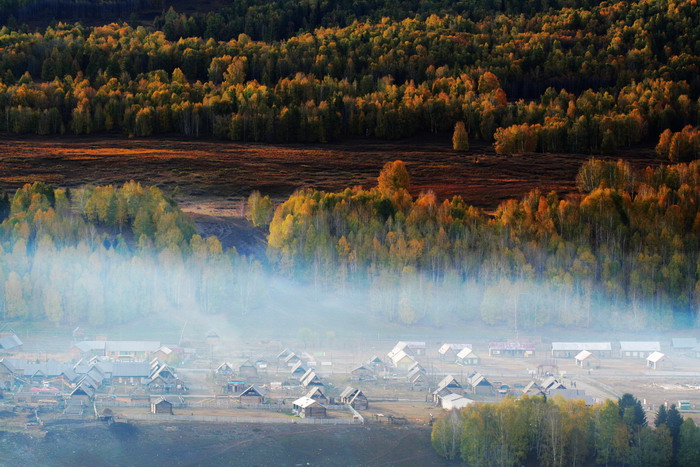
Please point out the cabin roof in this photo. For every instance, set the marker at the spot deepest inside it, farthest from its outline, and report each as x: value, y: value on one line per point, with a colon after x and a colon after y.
x: 305, y: 402
x: 637, y: 346
x: 10, y: 342
x: 444, y: 348
x: 448, y: 381
x: 466, y: 352
x: 656, y: 357
x: 578, y: 346
x: 253, y: 390
x: 684, y: 342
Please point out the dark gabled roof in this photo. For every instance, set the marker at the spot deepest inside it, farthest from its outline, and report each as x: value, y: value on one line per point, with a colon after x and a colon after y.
x: 48, y: 368
x: 253, y: 390
x: 162, y: 372
x: 83, y: 389
x: 162, y: 400
x: 224, y: 366
x: 362, y: 368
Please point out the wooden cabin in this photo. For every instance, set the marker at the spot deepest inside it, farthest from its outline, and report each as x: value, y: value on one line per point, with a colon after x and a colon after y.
x: 247, y: 369
x: 478, y: 384
x: 225, y: 369
x: 305, y: 407
x: 252, y: 395
x: 362, y: 373
x: 449, y: 351
x: 310, y: 378
x: 83, y: 392
x: 467, y: 357
x: 161, y: 406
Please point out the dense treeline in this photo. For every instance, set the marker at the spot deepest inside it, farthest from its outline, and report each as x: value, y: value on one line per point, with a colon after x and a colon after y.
x: 63, y: 258
x: 388, y: 79
x: 623, y: 252
x: 558, y: 432
x: 269, y: 20
x: 680, y: 146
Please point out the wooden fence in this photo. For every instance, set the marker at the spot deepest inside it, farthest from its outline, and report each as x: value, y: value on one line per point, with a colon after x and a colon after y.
x: 220, y: 419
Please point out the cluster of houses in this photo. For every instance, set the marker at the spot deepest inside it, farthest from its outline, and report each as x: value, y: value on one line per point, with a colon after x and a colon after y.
x: 301, y: 370
x: 83, y: 378
x: 591, y: 354
x: 451, y: 393
x: 137, y: 365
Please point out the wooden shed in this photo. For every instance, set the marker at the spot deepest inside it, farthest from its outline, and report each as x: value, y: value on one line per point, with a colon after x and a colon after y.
x: 659, y: 361
x: 586, y: 359
x: 161, y: 406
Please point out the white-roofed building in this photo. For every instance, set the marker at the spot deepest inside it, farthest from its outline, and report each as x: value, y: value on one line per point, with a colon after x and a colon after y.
x: 586, y: 359
x: 450, y: 351
x: 402, y: 360
x: 638, y: 349
x: 571, y: 349
x: 306, y: 407
x: 466, y: 356
x: 454, y: 401
x: 659, y: 361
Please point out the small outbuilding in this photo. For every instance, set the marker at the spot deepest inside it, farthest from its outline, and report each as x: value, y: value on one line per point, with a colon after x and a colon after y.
x: 467, y: 357
x: 161, y: 406
x: 659, y: 361
x: 586, y: 359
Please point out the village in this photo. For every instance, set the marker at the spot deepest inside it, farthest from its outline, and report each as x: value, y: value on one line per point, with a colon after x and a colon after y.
x: 406, y: 382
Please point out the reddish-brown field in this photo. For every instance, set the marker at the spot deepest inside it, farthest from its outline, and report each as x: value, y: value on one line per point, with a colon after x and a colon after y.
x: 212, y: 176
